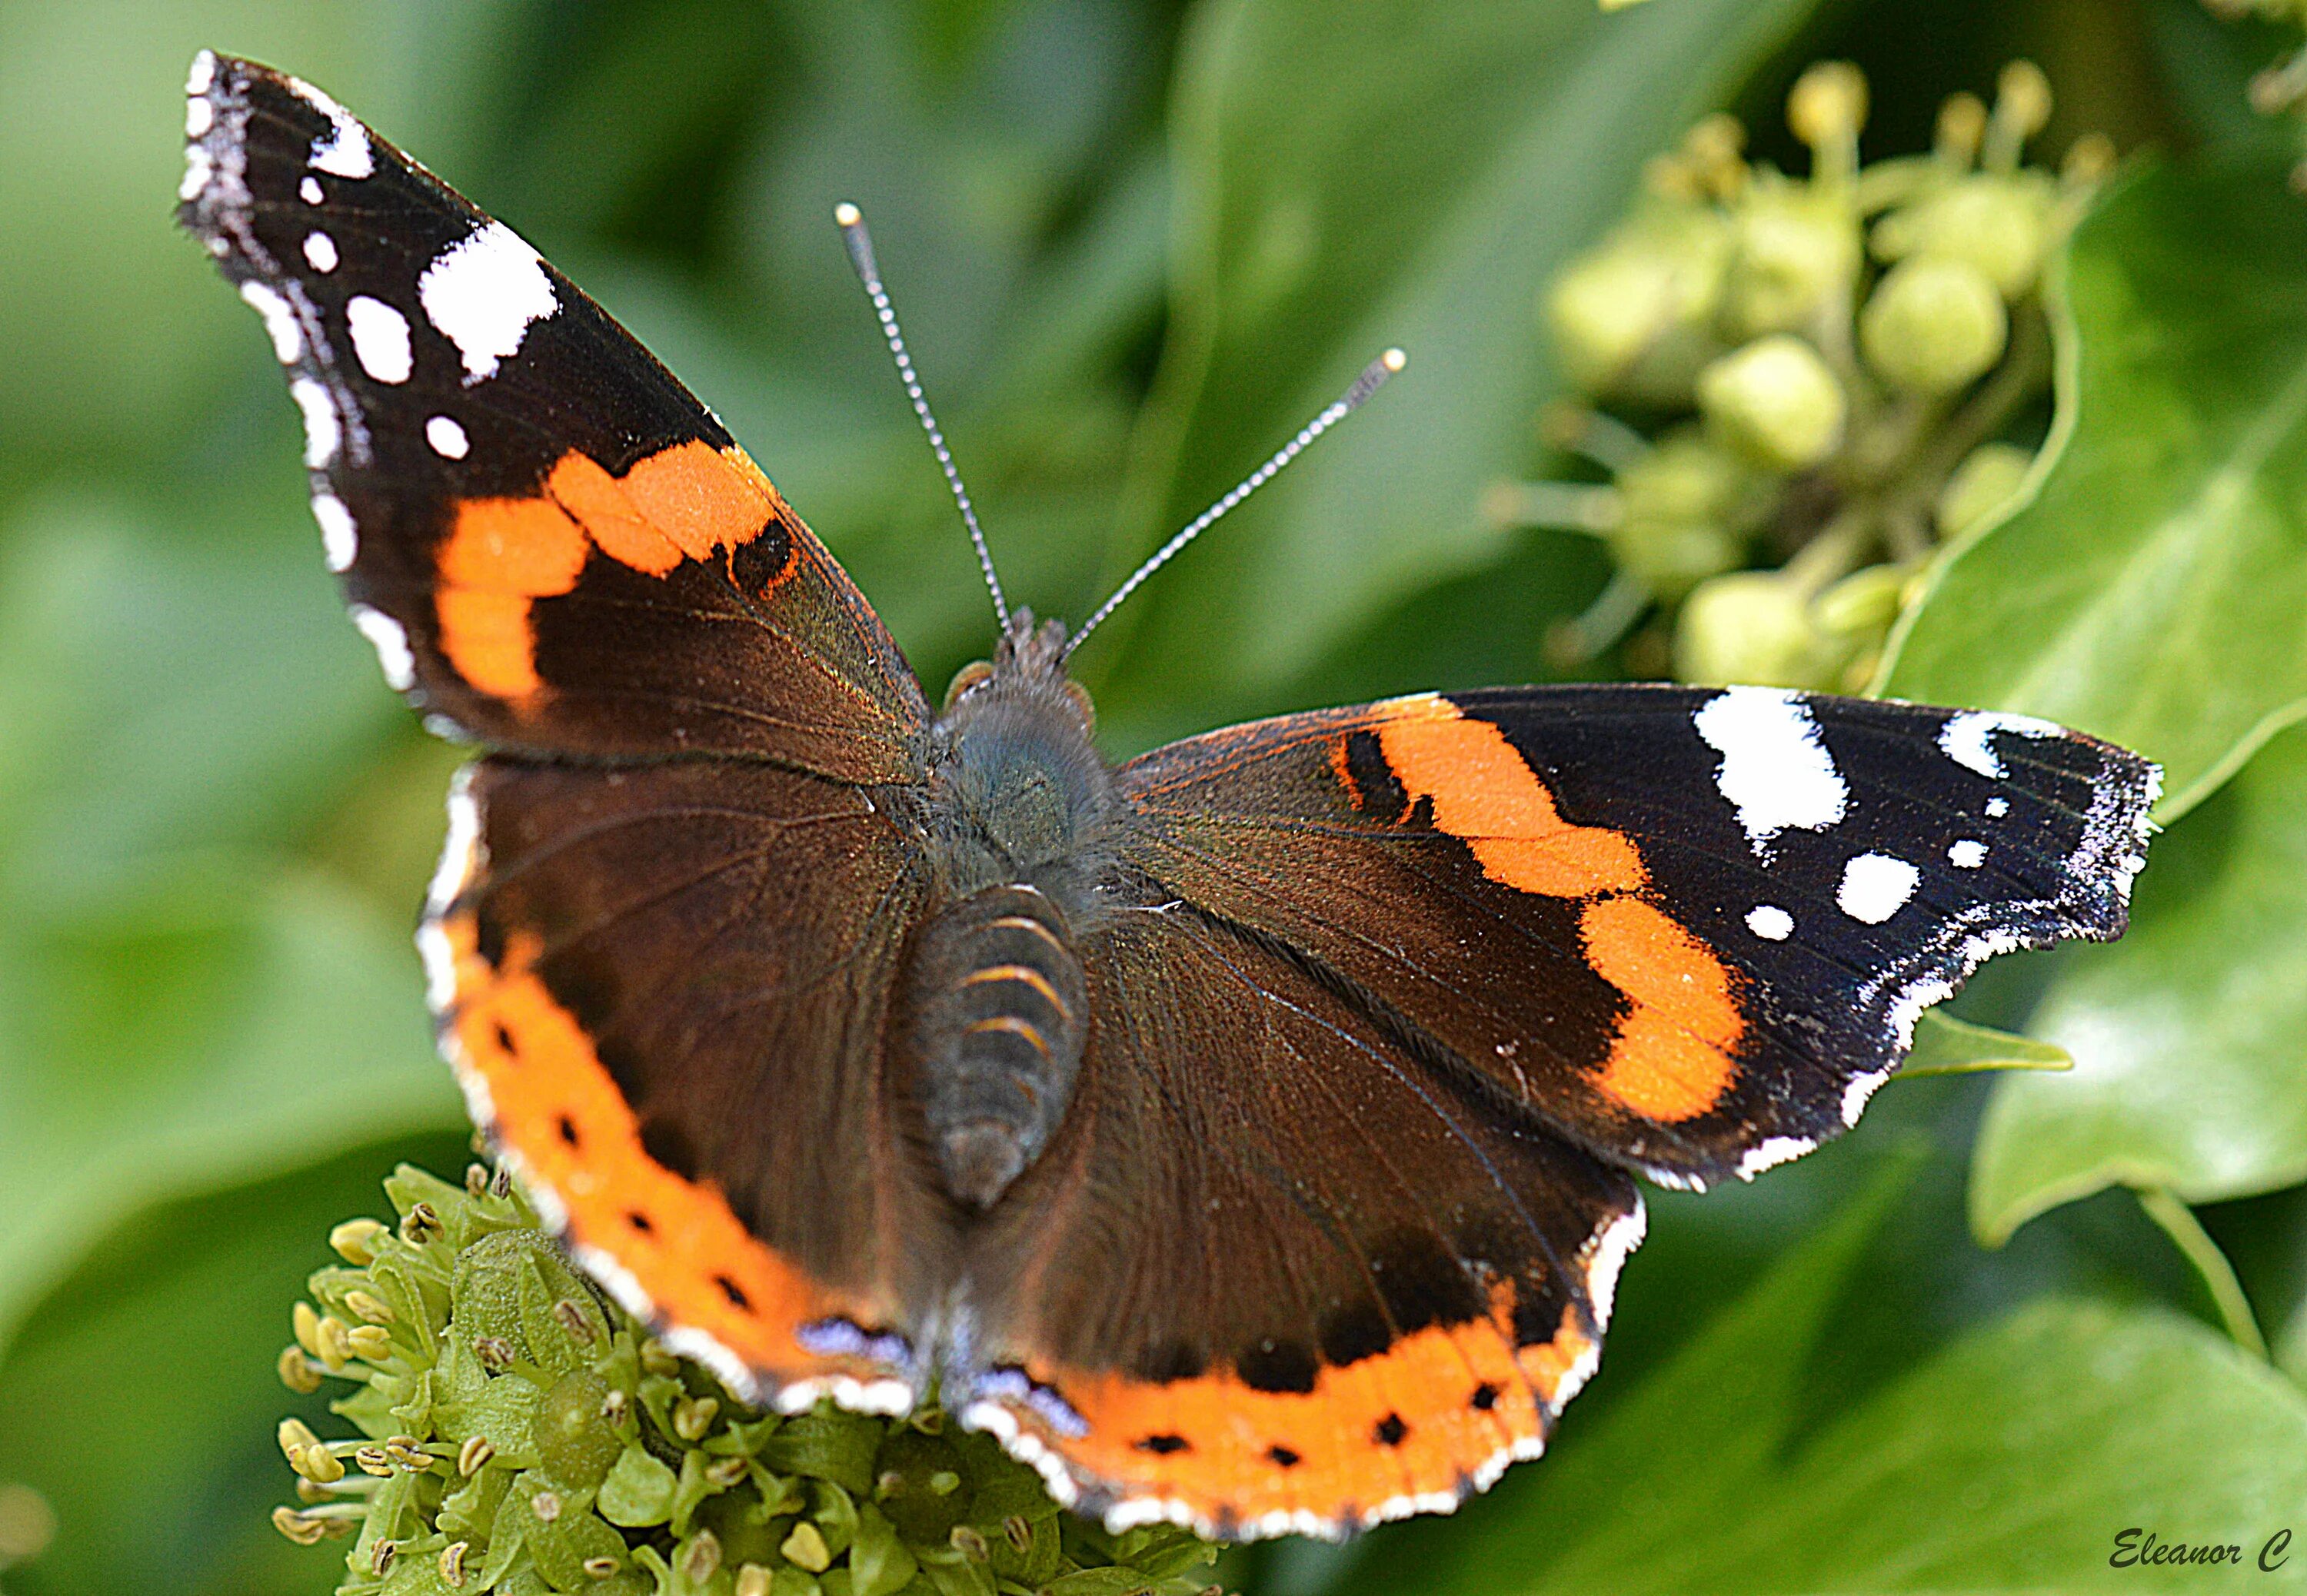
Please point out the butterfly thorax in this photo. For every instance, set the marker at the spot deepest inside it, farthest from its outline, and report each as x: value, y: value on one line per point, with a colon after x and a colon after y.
x: 1019, y: 806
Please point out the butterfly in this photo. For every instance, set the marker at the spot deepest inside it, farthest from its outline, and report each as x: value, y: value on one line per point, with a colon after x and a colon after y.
x: 1246, y: 1135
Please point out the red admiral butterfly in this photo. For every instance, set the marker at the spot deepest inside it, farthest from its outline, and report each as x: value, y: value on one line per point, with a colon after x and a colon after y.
x: 1244, y: 1135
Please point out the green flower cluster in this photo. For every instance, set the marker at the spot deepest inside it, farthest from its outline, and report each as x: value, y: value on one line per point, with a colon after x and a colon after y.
x: 520, y: 1434
x: 2282, y: 86
x: 1825, y: 369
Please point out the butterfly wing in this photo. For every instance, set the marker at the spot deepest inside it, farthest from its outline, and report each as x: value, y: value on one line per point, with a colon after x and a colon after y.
x: 664, y: 988
x: 666, y: 924
x: 553, y: 546
x: 1689, y: 928
x: 1283, y: 1270
x: 1410, y: 987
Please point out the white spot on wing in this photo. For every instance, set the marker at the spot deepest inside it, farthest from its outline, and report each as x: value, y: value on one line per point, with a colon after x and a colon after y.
x: 344, y: 150
x: 199, y: 116
x: 198, y: 169
x: 1863, y: 1086
x: 1770, y: 922
x: 308, y: 189
x: 1771, y: 1154
x: 447, y: 438
x: 203, y: 74
x: 1875, y: 886
x: 391, y: 645
x: 323, y: 433
x: 1997, y: 807
x: 1965, y: 738
x: 279, y: 321
x: 1775, y: 769
x: 320, y: 251
x: 380, y: 338
x: 1608, y: 1256
x: 1966, y: 855
x: 339, y: 539
x: 483, y: 293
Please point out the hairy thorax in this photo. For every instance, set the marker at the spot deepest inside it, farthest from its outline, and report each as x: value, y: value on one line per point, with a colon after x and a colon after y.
x: 995, y: 1014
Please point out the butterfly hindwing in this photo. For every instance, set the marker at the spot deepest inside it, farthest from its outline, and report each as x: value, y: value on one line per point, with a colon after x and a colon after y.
x: 1281, y: 1272
x: 664, y: 988
x: 553, y: 546
x: 1689, y: 928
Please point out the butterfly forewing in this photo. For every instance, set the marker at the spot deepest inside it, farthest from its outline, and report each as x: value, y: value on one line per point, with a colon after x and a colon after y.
x: 1688, y: 928
x: 553, y: 546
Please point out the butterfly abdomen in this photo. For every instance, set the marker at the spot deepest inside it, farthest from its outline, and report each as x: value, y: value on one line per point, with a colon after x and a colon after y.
x: 999, y: 1018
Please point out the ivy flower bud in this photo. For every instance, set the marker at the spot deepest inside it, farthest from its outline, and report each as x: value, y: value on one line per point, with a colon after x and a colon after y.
x: 1796, y: 256
x: 1752, y: 627
x: 1932, y: 325
x: 1632, y: 317
x: 1980, y: 486
x: 1682, y: 513
x: 2002, y: 224
x: 1775, y: 402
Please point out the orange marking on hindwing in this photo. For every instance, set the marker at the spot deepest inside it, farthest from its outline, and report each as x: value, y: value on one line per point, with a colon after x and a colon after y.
x: 687, y: 501
x: 1417, y: 1420
x: 1484, y: 793
x: 553, y: 1107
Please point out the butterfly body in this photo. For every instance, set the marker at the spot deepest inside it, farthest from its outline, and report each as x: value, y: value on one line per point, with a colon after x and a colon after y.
x: 1016, y: 816
x: 1246, y: 1134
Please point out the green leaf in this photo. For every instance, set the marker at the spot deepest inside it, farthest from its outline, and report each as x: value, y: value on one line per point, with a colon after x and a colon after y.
x: 201, y: 1026
x: 2008, y: 1460
x: 1351, y: 176
x: 166, y: 684
x: 1945, y: 1045
x: 2191, y: 1073
x: 2154, y: 591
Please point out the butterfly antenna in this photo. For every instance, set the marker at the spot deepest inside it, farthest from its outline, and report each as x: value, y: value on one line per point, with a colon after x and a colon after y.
x: 1373, y: 377
x: 860, y: 243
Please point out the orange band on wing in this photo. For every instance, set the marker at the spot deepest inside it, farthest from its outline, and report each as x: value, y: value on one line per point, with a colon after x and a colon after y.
x: 1672, y: 1058
x: 1484, y: 793
x: 685, y: 502
x: 1441, y: 1407
x: 553, y: 1105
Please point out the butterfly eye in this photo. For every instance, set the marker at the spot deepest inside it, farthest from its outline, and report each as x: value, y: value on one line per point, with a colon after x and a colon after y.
x: 969, y: 676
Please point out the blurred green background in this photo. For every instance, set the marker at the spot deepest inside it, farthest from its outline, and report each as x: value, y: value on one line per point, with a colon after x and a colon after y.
x: 1138, y: 242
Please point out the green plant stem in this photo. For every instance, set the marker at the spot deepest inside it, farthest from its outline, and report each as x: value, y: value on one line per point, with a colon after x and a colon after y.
x: 2186, y: 1232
